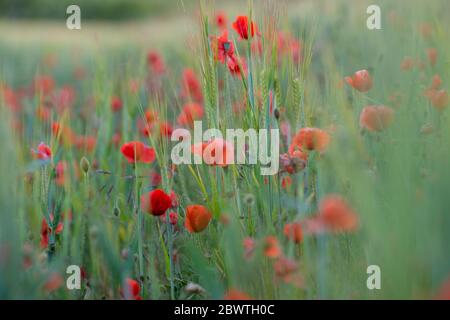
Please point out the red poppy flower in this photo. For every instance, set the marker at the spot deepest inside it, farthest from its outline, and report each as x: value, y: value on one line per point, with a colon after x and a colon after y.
x: 86, y: 143
x: 439, y: 99
x: 361, y: 81
x: 53, y: 282
x: 222, y: 47
x: 376, y: 118
x: 60, y: 169
x: 156, y: 62
x: 189, y: 114
x: 233, y: 294
x: 241, y: 27
x: 116, y: 104
x: 44, y: 84
x: 287, y: 271
x: 272, y: 247
x: 236, y: 67
x: 221, y: 20
x: 46, y: 231
x: 197, y: 218
x: 191, y: 87
x: 310, y: 139
x: 132, y: 290
x: 156, y: 202
x: 444, y: 291
x: 43, y: 152
x: 165, y: 129
x: 136, y: 151
x: 294, y: 232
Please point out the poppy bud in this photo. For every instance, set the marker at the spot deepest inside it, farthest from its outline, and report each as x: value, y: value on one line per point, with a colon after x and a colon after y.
x: 276, y: 113
x: 85, y: 165
x: 116, y: 211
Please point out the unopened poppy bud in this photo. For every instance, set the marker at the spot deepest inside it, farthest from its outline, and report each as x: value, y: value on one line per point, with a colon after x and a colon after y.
x: 84, y: 165
x: 276, y: 113
x: 116, y: 211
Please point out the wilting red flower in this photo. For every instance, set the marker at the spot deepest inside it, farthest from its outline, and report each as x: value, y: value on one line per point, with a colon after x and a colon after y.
x: 156, y: 202
x: 310, y: 139
x: 376, y: 118
x: 156, y: 62
x: 294, y: 232
x: 191, y: 87
x: 190, y: 113
x: 361, y: 80
x: 222, y: 47
x: 116, y: 104
x: 217, y: 152
x: 294, y: 162
x: 241, y: 27
x: 272, y: 247
x: 233, y: 294
x: 335, y: 215
x: 197, y: 218
x: 136, y: 151
x: 173, y: 218
x: 432, y: 55
x: 46, y: 230
x: 132, y: 290
x: 221, y: 20
x: 43, y: 152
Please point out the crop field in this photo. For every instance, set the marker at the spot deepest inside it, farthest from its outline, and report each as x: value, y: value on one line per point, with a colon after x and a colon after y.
x: 227, y: 150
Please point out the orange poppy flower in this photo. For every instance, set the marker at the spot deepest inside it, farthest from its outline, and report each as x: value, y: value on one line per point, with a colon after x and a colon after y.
x: 272, y: 247
x: 361, y: 80
x: 335, y: 215
x: 197, y: 218
x: 376, y: 118
x: 309, y: 139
